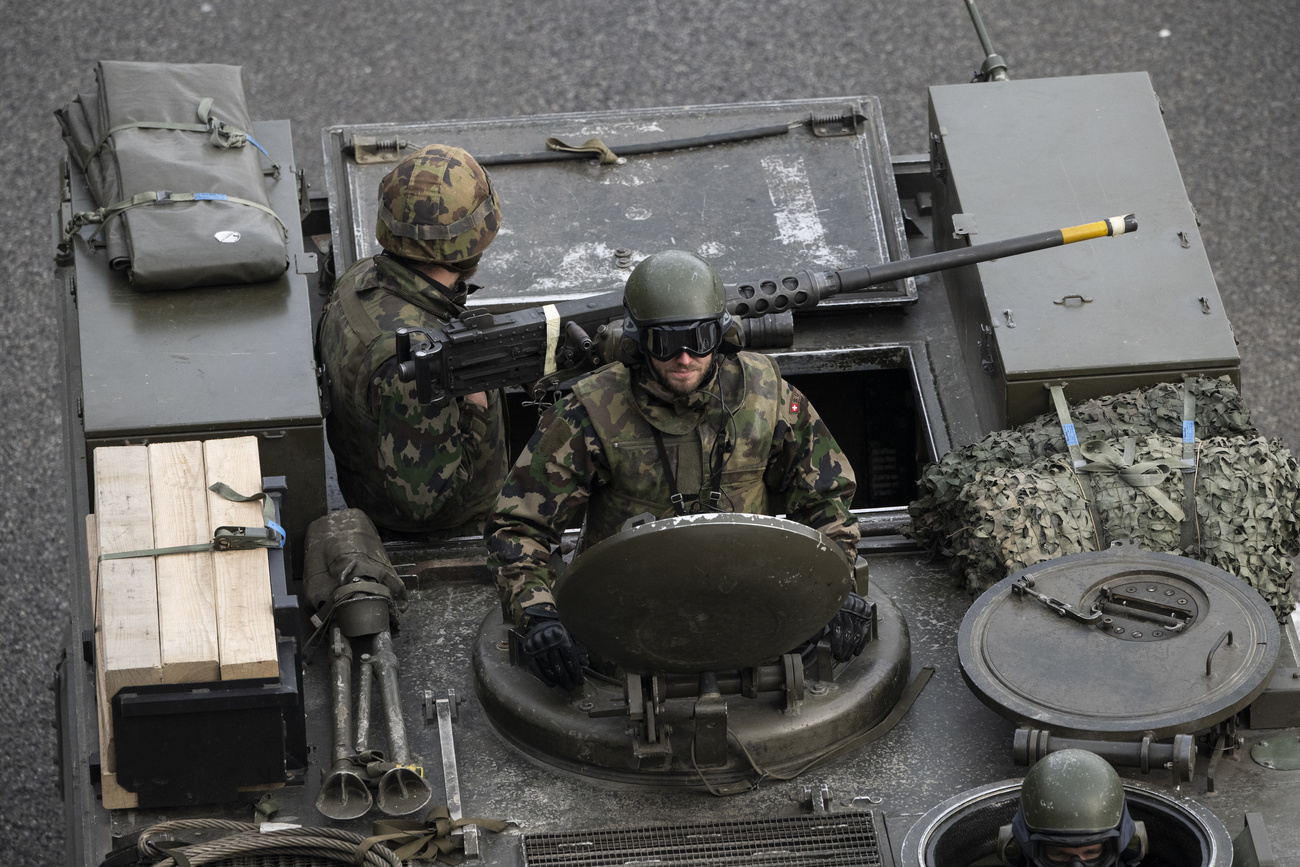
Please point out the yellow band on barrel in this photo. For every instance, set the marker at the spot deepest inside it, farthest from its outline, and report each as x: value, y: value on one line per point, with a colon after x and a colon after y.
x: 1085, y: 232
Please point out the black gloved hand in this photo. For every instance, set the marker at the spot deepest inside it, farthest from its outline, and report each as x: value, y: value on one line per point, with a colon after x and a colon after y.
x: 850, y: 628
x: 550, y: 651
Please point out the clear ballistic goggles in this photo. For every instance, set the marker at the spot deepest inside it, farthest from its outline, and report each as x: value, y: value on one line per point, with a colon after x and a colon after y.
x: 665, y: 342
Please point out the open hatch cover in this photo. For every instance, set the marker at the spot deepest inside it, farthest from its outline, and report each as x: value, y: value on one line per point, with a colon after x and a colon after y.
x: 704, y: 592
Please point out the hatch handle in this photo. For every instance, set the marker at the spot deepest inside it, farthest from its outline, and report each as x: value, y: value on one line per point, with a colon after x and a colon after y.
x: 1209, y: 660
x: 1173, y: 624
x: 1024, y: 587
x: 1118, y: 603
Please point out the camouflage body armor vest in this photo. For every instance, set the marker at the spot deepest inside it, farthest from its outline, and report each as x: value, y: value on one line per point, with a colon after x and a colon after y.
x: 356, y: 340
x: 626, y: 417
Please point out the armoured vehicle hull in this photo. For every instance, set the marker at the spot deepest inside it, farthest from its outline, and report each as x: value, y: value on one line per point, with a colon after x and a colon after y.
x: 902, y: 375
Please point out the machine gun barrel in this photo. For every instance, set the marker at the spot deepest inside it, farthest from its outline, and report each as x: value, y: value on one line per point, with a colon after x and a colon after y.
x: 807, y: 289
x: 480, y: 350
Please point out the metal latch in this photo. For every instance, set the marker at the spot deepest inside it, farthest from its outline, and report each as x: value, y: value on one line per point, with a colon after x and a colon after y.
x: 1024, y: 587
x: 964, y: 224
x: 830, y: 125
x: 371, y: 149
x: 304, y: 263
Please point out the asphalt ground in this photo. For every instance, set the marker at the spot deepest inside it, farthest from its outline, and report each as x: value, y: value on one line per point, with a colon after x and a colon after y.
x: 1226, y: 73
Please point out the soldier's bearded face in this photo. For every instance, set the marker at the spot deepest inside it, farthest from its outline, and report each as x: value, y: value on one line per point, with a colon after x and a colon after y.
x: 683, y: 373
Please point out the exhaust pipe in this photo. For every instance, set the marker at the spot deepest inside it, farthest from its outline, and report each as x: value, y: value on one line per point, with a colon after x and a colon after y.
x: 344, y: 793
x: 402, y: 790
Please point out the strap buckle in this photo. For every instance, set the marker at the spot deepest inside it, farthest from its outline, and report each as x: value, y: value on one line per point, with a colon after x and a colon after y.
x: 225, y: 136
x: 246, y: 538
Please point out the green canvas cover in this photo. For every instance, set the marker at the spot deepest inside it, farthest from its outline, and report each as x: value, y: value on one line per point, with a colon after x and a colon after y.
x: 153, y: 129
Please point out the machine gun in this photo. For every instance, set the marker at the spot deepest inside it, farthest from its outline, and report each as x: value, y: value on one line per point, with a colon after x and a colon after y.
x: 547, y: 345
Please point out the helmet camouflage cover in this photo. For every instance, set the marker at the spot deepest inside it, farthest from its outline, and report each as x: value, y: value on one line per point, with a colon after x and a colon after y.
x: 437, y: 205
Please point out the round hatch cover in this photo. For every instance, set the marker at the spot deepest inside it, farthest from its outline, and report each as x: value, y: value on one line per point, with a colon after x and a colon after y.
x: 1121, y: 641
x: 708, y: 592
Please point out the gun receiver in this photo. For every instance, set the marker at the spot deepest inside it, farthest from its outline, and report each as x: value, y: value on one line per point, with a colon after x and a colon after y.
x: 549, y: 344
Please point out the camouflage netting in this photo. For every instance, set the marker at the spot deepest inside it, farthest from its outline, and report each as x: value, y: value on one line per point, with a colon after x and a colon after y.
x: 1219, y: 412
x: 1012, y: 499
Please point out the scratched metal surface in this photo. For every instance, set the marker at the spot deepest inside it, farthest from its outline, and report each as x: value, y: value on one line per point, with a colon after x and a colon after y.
x: 761, y: 207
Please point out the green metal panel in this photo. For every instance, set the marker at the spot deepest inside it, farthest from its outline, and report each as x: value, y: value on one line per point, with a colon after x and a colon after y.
x: 1019, y: 156
x: 212, y: 358
x: 751, y: 208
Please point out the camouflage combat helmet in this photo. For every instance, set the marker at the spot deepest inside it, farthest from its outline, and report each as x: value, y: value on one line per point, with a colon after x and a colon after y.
x: 1072, y: 799
x: 674, y: 301
x: 437, y: 205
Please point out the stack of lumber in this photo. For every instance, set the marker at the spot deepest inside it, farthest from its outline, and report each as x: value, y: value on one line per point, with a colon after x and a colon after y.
x: 176, y: 618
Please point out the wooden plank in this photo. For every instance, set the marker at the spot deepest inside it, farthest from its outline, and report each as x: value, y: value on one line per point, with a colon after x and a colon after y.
x: 128, y: 589
x: 113, y: 795
x: 245, y: 625
x: 187, y: 615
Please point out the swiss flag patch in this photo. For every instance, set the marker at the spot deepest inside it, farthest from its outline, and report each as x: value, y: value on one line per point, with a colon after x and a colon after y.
x: 794, y: 406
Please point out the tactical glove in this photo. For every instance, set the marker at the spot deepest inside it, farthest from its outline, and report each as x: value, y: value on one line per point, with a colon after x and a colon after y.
x: 550, y: 651
x: 850, y: 628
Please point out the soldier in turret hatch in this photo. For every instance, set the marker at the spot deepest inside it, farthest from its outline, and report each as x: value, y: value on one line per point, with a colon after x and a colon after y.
x: 685, y: 423
x: 412, y: 467
x: 1072, y: 813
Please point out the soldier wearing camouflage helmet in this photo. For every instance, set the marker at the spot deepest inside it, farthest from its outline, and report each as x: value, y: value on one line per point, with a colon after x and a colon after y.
x: 413, y: 468
x: 686, y: 422
x: 1072, y: 813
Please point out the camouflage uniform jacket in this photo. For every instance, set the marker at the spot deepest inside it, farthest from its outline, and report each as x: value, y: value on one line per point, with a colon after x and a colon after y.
x: 595, y: 456
x: 410, y: 467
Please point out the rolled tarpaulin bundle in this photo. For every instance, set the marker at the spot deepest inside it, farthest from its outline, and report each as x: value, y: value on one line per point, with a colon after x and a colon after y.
x: 346, y: 569
x: 179, y: 184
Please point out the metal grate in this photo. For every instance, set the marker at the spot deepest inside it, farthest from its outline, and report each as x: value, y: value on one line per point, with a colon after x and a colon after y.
x: 827, y: 839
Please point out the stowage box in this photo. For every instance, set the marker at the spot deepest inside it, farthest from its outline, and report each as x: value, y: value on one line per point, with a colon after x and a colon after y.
x: 1104, y: 316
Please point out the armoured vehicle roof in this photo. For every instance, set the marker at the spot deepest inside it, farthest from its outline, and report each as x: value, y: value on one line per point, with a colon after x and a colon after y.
x: 915, y: 347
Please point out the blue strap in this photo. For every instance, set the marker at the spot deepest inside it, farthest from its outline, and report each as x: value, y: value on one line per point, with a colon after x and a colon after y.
x: 275, y: 167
